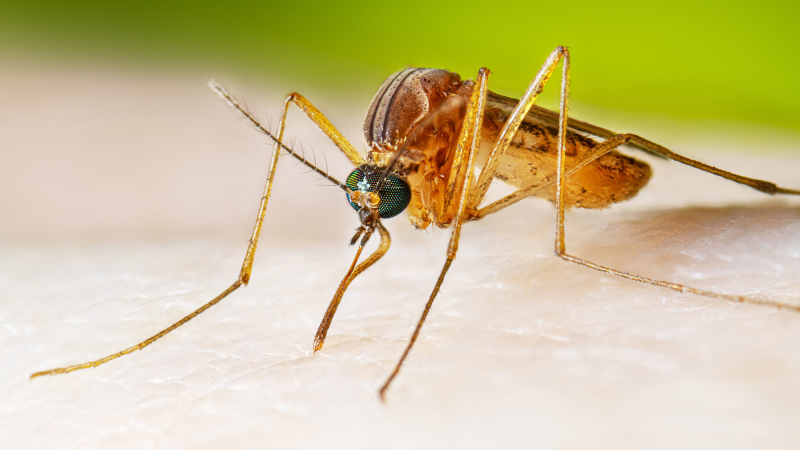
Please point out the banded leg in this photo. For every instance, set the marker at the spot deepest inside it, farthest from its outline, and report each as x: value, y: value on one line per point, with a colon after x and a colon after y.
x: 247, y: 265
x: 468, y: 143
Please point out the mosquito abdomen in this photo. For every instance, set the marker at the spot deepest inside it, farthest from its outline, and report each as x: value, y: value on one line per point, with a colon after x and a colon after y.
x: 531, y: 159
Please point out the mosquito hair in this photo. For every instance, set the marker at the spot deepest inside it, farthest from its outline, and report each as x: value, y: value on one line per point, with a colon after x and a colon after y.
x: 314, y: 154
x: 269, y: 121
x: 326, y: 161
x: 295, y: 143
x: 298, y: 144
x: 223, y: 93
x: 303, y: 151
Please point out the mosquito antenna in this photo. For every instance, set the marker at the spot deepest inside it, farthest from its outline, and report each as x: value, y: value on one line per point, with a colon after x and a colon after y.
x: 223, y: 93
x: 452, y: 102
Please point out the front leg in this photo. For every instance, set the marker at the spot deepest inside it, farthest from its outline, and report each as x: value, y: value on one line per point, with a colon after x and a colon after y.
x: 513, y: 123
x: 468, y: 143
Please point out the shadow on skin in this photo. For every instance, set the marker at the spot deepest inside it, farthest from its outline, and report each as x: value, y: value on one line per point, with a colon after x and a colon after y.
x: 711, y: 247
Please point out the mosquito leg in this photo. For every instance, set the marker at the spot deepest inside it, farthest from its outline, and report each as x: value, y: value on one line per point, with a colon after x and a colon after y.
x: 759, y: 185
x: 322, y: 332
x: 352, y: 154
x: 247, y: 265
x: 560, y: 245
x: 449, y: 104
x: 469, y: 139
x: 237, y: 284
x: 325, y: 125
x: 763, y: 186
x: 589, y: 156
x: 511, y: 126
x: 612, y: 142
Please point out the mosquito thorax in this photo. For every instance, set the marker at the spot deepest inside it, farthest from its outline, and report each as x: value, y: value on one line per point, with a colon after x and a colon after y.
x: 392, y: 198
x: 404, y: 99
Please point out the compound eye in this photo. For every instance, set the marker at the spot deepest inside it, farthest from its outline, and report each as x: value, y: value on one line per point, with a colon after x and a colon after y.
x: 393, y: 198
x: 356, y: 178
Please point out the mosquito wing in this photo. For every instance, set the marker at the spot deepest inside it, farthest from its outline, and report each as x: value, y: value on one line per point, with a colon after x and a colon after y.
x: 539, y: 114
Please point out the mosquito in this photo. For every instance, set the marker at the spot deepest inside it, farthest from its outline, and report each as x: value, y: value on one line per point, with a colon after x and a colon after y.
x: 424, y: 131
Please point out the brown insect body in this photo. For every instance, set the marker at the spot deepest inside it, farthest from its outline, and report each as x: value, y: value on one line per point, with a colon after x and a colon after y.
x: 410, y: 96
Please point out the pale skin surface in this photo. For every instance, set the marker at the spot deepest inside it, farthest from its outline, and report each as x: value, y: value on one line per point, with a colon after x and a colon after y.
x: 463, y: 194
x: 551, y: 352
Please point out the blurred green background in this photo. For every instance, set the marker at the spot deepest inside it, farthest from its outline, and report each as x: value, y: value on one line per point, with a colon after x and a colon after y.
x: 734, y: 61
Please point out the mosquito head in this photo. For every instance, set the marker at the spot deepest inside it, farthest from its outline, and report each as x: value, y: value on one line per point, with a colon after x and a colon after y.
x: 389, y: 200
